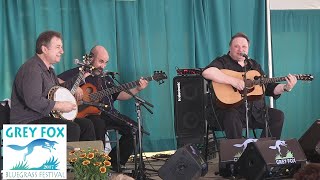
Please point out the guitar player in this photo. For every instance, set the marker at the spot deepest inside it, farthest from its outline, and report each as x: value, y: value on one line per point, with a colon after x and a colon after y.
x: 110, y: 118
x: 233, y: 118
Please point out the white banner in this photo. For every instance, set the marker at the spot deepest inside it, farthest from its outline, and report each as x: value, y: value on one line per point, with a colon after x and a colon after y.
x: 294, y: 4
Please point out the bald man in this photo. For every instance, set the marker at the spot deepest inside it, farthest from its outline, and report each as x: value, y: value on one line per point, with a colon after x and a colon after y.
x: 111, y: 118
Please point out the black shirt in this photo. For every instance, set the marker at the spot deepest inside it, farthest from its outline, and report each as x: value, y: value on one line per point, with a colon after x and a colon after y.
x: 255, y: 107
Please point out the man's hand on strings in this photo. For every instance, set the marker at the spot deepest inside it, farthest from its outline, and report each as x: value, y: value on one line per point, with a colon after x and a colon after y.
x: 142, y: 84
x: 291, y: 82
x: 238, y: 84
x: 78, y: 94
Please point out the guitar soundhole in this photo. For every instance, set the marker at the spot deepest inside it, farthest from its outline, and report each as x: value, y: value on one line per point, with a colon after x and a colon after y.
x: 89, y: 90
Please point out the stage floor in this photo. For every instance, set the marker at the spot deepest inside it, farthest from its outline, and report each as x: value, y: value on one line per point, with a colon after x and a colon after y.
x: 153, y: 164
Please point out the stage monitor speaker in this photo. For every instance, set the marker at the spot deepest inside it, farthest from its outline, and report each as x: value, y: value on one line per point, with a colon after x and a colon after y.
x: 310, y: 142
x: 230, y: 152
x: 271, y: 159
x: 189, y: 109
x: 186, y: 163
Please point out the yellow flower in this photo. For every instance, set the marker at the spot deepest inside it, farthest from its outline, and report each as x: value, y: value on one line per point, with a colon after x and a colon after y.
x: 97, y: 163
x: 83, y: 155
x: 95, y: 150
x: 107, y: 163
x: 108, y: 158
x: 73, y: 160
x: 90, y: 155
x: 103, y: 169
x: 85, y: 162
x: 90, y: 164
x: 72, y: 153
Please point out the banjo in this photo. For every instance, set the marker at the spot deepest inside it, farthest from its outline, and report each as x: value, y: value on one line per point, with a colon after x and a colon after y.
x: 58, y: 93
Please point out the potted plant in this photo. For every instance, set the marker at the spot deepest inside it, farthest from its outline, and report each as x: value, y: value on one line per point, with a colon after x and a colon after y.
x: 90, y: 164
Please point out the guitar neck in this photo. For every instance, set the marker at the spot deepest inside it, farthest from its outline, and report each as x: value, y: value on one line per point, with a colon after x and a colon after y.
x: 106, y: 92
x: 277, y: 79
x: 77, y: 82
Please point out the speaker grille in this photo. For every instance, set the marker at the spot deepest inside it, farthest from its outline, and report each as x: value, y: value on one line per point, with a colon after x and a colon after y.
x: 186, y: 164
x: 271, y: 159
x: 310, y: 142
x: 189, y: 108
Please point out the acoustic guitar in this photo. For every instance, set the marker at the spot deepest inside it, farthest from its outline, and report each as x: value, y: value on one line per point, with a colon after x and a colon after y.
x: 91, y: 96
x: 228, y: 96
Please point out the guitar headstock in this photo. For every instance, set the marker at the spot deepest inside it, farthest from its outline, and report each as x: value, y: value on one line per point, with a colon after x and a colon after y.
x: 87, y: 59
x: 86, y: 66
x: 304, y: 77
x: 159, y: 76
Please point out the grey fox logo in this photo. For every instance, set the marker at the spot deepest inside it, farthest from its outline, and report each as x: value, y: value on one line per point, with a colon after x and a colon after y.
x: 245, y: 143
x: 278, y: 144
x: 44, y: 143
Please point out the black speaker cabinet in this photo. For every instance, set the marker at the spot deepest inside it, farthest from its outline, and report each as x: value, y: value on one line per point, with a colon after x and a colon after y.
x: 189, y: 109
x: 271, y: 159
x: 186, y: 163
x: 310, y: 142
x: 230, y: 152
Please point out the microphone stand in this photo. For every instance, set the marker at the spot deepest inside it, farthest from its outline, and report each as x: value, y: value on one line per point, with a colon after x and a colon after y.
x: 266, y: 111
x: 245, y: 95
x: 139, y: 172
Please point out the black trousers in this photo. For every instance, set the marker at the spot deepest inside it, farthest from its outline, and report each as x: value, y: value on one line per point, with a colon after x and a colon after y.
x: 77, y: 130
x: 126, y: 143
x: 233, y: 122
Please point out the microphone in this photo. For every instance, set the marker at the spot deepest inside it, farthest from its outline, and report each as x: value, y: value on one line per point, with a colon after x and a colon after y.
x: 247, y: 59
x: 107, y: 73
x: 243, y: 54
x: 77, y: 62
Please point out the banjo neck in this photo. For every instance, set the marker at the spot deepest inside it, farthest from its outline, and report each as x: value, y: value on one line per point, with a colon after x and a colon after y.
x: 77, y: 82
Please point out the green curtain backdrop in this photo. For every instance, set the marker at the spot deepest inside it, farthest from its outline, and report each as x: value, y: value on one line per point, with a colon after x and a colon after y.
x: 296, y: 45
x: 141, y: 36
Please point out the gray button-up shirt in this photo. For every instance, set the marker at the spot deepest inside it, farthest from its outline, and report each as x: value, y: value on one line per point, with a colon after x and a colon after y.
x: 30, y: 90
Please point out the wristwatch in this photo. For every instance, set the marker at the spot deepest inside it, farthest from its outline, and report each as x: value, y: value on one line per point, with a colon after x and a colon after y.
x: 286, y: 89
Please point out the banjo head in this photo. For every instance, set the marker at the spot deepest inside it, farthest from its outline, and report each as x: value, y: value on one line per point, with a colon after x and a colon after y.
x: 63, y: 94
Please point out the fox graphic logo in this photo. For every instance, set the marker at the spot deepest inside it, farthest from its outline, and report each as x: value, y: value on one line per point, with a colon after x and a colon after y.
x: 278, y: 144
x: 245, y: 143
x: 44, y: 143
